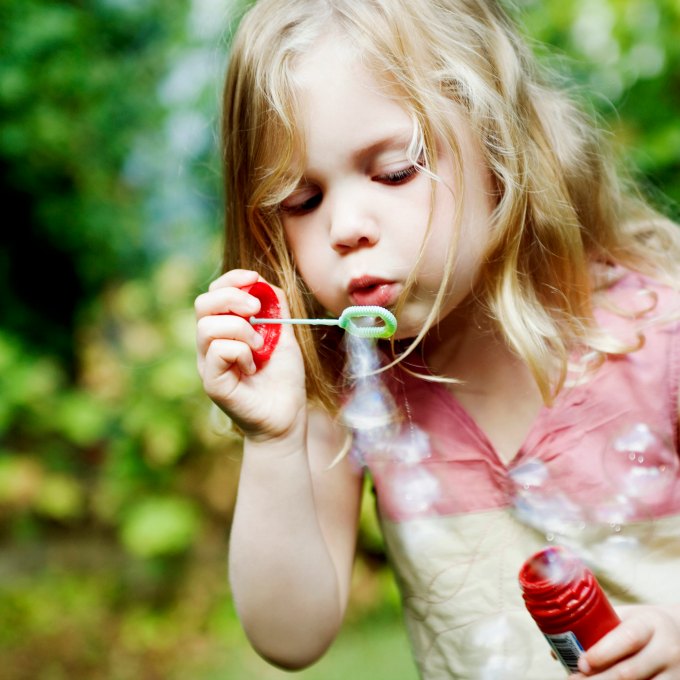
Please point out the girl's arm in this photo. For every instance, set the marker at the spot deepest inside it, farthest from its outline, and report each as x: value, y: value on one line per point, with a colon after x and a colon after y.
x: 294, y: 528
x: 292, y: 543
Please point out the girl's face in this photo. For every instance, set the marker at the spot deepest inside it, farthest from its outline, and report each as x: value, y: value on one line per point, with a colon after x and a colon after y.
x: 358, y: 219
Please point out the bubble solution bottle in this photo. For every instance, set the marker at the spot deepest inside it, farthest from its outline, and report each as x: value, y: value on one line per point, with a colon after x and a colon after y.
x: 567, y: 603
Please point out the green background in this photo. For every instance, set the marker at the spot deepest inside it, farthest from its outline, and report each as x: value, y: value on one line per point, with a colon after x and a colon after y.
x: 116, y: 486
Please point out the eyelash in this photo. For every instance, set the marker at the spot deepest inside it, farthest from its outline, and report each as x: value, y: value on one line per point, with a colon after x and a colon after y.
x: 302, y: 208
x: 394, y: 178
x: 397, y: 177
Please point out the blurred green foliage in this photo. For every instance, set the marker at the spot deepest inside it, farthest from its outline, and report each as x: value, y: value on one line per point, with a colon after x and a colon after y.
x: 117, y: 482
x: 75, y: 80
x: 624, y: 57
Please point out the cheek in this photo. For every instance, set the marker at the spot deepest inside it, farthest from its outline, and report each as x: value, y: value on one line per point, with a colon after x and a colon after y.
x: 413, y: 216
x: 442, y: 233
x: 310, y: 260
x: 301, y: 244
x: 311, y: 263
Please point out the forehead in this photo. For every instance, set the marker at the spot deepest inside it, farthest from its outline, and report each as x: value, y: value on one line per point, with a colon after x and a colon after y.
x: 341, y: 100
x: 334, y: 60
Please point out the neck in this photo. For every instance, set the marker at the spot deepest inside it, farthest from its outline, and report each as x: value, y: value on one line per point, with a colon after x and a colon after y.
x: 492, y: 382
x: 465, y: 340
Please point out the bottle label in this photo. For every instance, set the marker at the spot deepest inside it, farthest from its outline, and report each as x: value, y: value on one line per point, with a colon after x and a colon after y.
x: 567, y: 648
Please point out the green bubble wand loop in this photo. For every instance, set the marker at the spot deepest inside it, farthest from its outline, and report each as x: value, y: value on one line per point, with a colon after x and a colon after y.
x: 346, y: 321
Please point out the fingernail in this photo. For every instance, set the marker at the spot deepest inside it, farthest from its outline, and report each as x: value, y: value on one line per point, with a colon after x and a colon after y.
x: 257, y: 342
x: 583, y: 665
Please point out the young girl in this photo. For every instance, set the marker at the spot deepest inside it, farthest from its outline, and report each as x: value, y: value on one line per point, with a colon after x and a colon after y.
x: 410, y: 154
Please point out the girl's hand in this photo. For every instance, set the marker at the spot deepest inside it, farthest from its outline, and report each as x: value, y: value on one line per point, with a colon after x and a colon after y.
x: 645, y: 645
x: 266, y: 403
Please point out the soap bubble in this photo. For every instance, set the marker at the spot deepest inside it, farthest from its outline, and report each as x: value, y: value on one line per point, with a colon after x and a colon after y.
x: 497, y: 648
x: 618, y: 528
x: 555, y: 564
x: 370, y: 410
x: 641, y: 464
x: 529, y: 474
x: 613, y: 549
x: 425, y: 533
x: 538, y: 502
x: 411, y: 446
x: 409, y: 486
x: 614, y: 511
x: 362, y: 357
x: 413, y: 489
x: 609, y: 529
x: 381, y: 436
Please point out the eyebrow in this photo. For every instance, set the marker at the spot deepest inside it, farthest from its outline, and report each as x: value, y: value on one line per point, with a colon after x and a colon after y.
x: 392, y: 140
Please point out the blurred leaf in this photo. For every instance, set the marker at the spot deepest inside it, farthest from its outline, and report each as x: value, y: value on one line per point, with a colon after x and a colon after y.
x: 160, y: 526
x: 164, y: 441
x: 80, y: 418
x: 174, y: 378
x: 21, y: 479
x: 60, y: 498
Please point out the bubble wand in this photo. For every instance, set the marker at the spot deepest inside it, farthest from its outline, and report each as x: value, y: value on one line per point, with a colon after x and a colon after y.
x: 346, y: 321
x: 268, y: 324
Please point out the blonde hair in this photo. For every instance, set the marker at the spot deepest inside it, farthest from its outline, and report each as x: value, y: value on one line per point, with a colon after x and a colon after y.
x: 561, y: 205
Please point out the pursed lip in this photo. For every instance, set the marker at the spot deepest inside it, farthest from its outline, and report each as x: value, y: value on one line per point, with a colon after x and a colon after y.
x: 372, y: 290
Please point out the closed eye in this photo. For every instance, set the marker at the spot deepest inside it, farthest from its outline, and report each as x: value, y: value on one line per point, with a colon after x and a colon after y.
x: 398, y: 176
x: 300, y: 205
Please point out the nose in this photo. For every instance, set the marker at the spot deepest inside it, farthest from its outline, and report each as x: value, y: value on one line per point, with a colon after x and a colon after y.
x: 352, y: 226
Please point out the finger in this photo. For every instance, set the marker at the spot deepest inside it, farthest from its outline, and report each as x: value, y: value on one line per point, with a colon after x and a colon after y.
x: 225, y: 327
x: 660, y: 659
x: 221, y: 358
x: 226, y: 301
x: 668, y: 674
x: 236, y: 278
x: 642, y: 666
x: 628, y: 638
